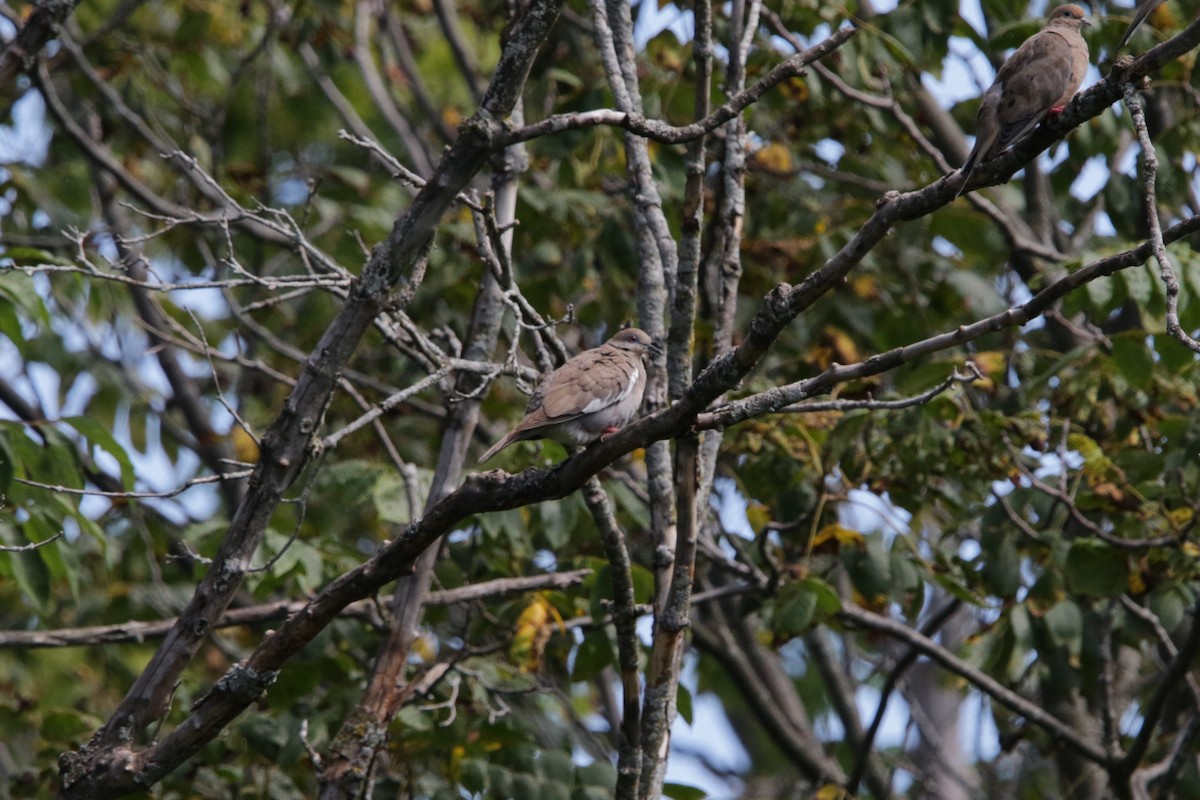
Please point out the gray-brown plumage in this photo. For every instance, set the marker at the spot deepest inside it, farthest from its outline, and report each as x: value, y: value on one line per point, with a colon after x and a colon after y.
x: 1040, y: 78
x: 589, y: 397
x: 1138, y: 18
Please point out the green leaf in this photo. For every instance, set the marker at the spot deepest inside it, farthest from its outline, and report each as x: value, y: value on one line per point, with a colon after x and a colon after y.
x: 554, y: 790
x: 1100, y: 292
x: 500, y: 780
x: 32, y: 576
x: 599, y: 773
x: 594, y: 653
x: 559, y: 518
x: 7, y: 465
x: 565, y: 76
x: 683, y: 702
x: 65, y: 724
x: 798, y: 605
x: 473, y: 775
x: 679, y: 791
x: 588, y: 793
x: 556, y: 766
x: 1064, y: 624
x: 98, y: 436
x: 1001, y: 564
x: 643, y: 583
x: 1133, y: 358
x: 869, y: 568
x: 1096, y: 569
x: 390, y: 496
x: 1170, y: 602
x: 525, y: 787
x: 32, y: 256
x: 1139, y: 285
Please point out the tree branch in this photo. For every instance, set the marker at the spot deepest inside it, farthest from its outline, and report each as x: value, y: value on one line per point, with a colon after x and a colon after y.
x: 106, y: 764
x: 20, y: 55
x: 136, y: 631
x: 984, y: 682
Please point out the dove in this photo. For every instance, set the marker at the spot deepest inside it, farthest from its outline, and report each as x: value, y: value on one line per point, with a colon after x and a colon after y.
x: 1040, y: 78
x: 590, y: 397
x: 1138, y: 19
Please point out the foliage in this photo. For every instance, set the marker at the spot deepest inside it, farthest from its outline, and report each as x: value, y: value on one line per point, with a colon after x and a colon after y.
x: 197, y: 222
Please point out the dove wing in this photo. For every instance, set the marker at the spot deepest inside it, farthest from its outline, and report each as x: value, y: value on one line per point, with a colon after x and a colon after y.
x: 590, y: 382
x: 1043, y: 73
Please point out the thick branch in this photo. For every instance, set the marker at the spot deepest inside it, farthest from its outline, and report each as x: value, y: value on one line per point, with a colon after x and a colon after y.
x: 781, y: 397
x: 103, y: 766
x: 625, y: 616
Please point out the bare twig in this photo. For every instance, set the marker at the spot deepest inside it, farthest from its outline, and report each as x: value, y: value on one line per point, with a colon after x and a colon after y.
x: 984, y: 682
x: 26, y: 548
x: 137, y: 631
x: 178, y: 490
x: 658, y: 131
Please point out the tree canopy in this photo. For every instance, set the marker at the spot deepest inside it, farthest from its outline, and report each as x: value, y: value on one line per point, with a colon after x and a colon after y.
x: 911, y: 503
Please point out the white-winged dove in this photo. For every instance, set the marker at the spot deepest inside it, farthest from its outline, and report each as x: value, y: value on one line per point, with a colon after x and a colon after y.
x: 591, y: 396
x: 1040, y: 78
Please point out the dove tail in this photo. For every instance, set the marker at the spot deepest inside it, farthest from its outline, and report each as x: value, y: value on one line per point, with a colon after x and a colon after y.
x: 968, y: 169
x: 498, y: 446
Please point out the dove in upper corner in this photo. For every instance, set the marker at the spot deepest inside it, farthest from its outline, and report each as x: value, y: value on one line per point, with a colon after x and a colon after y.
x: 590, y: 397
x: 1138, y: 18
x: 1039, y: 79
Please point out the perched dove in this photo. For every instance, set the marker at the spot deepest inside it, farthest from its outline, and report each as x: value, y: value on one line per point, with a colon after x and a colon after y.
x: 1138, y: 19
x: 1040, y: 78
x: 590, y: 397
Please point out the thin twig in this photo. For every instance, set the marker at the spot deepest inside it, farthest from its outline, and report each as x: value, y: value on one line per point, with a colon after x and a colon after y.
x: 25, y: 548
x: 1133, y: 102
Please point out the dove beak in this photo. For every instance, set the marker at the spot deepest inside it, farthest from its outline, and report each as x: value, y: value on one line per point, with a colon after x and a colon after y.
x: 655, y: 348
x: 1087, y: 23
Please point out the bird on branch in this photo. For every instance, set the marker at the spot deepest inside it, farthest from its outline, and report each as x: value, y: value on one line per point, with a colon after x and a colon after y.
x: 1039, y: 79
x: 590, y: 397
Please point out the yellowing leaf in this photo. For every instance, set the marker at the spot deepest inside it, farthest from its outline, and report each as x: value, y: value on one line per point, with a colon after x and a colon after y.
x: 1096, y: 465
x: 1110, y: 491
x: 795, y: 89
x: 830, y: 792
x: 844, y: 348
x: 424, y: 648
x: 534, y: 627
x: 759, y: 515
x: 833, y: 532
x: 991, y: 363
x: 1179, y: 517
x: 775, y: 158
x: 864, y: 286
x: 244, y: 445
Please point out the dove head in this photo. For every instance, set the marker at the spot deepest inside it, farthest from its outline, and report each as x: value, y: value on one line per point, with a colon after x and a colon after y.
x: 636, y: 341
x: 1069, y: 16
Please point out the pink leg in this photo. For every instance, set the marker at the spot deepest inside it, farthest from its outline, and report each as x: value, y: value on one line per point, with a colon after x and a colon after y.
x: 1056, y: 109
x: 608, y: 432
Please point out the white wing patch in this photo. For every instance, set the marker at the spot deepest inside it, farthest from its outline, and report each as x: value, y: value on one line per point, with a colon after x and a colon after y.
x: 601, y: 403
